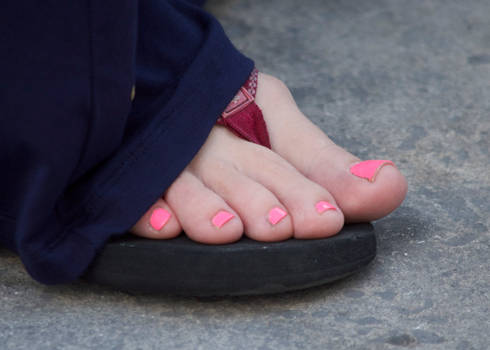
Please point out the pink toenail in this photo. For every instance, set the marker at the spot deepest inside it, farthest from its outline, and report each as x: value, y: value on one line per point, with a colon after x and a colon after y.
x: 324, y: 206
x: 159, y: 218
x: 222, y: 218
x: 276, y: 214
x: 368, y: 169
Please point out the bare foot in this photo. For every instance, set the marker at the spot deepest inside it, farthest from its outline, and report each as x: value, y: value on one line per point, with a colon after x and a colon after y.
x: 305, y: 187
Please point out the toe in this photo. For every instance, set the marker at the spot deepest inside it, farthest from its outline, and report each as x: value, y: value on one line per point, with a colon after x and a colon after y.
x: 313, y: 209
x: 205, y: 217
x: 308, y: 149
x: 264, y: 217
x: 375, y: 193
x: 159, y: 222
x: 364, y: 190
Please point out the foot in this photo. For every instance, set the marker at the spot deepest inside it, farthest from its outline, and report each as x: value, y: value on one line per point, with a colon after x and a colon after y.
x: 304, y: 187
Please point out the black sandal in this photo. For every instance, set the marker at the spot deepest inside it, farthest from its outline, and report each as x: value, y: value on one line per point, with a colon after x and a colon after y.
x: 183, y: 267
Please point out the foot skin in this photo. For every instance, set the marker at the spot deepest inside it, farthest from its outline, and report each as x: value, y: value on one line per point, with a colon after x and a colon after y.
x: 305, y: 187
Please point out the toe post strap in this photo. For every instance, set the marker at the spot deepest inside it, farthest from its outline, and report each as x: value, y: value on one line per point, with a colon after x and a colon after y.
x: 243, y: 117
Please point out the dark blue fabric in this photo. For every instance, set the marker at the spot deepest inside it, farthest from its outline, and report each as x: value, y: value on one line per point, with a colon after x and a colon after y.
x: 80, y: 162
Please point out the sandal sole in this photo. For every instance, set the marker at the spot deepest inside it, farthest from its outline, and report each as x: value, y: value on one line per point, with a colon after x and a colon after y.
x: 183, y: 267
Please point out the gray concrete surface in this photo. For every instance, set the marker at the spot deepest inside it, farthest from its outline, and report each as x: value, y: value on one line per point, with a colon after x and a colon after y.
x: 404, y: 80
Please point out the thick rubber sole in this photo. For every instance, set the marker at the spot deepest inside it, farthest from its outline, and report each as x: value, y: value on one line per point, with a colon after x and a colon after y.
x: 182, y: 267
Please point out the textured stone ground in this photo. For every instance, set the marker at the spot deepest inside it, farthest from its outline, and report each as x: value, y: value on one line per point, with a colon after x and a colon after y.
x: 404, y: 80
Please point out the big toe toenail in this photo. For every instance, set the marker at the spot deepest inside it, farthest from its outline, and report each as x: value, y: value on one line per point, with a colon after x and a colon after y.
x: 368, y: 169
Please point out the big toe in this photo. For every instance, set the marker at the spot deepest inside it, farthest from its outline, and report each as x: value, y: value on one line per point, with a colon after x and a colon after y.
x: 377, y: 188
x: 364, y: 191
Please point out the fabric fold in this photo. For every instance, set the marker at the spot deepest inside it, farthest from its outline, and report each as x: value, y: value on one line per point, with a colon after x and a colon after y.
x: 55, y: 216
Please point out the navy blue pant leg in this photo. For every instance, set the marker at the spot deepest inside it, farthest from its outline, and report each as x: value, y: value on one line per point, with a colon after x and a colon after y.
x: 79, y: 161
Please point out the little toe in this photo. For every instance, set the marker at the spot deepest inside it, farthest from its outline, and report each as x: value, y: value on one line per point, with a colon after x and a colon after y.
x: 159, y: 222
x: 205, y: 217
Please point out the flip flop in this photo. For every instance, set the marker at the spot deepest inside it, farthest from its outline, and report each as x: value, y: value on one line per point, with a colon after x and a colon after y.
x: 182, y: 267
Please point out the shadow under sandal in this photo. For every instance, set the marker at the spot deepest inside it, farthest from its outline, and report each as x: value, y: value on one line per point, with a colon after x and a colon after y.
x: 183, y: 267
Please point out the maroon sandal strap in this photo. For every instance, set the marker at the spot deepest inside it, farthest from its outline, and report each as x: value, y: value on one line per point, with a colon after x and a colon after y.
x: 243, y: 117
